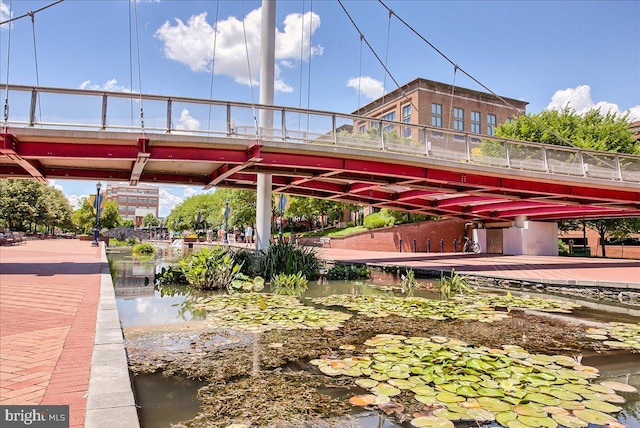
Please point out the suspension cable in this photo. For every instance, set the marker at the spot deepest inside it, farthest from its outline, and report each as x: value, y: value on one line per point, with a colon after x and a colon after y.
x: 28, y: 13
x: 131, y: 100
x: 309, y: 63
x: 453, y: 87
x: 363, y: 38
x: 301, y: 60
x: 386, y: 58
x: 135, y: 13
x: 246, y: 48
x: 35, y: 54
x: 213, y: 62
x: 507, y: 103
x: 6, y: 99
x: 360, y: 75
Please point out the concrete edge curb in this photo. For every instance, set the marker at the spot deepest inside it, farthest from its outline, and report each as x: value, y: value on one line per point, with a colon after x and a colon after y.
x: 110, y: 400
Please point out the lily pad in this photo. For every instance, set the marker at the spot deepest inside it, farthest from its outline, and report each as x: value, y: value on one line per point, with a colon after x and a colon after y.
x: 385, y: 389
x: 601, y: 406
x: 432, y: 421
x: 569, y: 421
x: 533, y: 421
x: 362, y: 400
x: 619, y: 386
x: 593, y: 416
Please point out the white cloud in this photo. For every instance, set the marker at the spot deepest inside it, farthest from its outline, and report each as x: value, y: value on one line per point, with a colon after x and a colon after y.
x: 76, y: 200
x: 368, y: 86
x: 167, y: 202
x: 187, y: 122
x: 5, y: 14
x: 192, y: 43
x: 579, y: 99
x: 110, y: 85
x: 190, y: 191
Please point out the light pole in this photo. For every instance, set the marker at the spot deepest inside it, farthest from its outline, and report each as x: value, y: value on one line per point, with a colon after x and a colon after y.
x: 226, y: 221
x: 96, y: 229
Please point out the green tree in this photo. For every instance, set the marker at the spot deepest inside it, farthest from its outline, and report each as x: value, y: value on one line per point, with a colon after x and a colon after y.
x: 150, y: 220
x: 29, y: 204
x: 84, y: 218
x: 591, y: 131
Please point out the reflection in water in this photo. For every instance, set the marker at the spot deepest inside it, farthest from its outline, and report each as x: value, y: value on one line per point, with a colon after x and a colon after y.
x: 153, y: 392
x: 164, y: 401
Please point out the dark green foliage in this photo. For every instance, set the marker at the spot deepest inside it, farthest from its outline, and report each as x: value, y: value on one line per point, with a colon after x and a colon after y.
x: 349, y: 272
x: 289, y: 284
x: 144, y: 250
x: 210, y: 269
x: 245, y: 258
x: 380, y: 219
x: 170, y: 275
x: 287, y: 258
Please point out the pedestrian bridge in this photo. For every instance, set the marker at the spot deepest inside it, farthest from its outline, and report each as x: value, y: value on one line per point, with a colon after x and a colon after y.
x: 57, y: 133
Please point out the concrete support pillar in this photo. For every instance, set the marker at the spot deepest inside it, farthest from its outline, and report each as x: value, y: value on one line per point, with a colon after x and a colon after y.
x: 267, y: 72
x: 533, y: 238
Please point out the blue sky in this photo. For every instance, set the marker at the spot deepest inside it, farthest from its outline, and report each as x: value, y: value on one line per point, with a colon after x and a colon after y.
x: 548, y: 53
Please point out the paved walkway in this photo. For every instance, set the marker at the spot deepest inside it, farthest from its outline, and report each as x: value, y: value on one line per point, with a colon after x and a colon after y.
x: 55, y: 295
x: 60, y: 338
x: 580, y: 271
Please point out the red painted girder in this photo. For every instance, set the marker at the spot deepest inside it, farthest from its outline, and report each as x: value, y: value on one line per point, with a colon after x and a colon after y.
x: 210, y: 154
x: 588, y: 216
x: 511, y: 205
x: 303, y: 161
x: 594, y: 192
x: 467, y: 200
x: 549, y: 210
x: 417, y: 194
x: 32, y: 149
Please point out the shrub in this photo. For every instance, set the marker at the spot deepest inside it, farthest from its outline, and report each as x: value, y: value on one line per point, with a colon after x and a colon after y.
x: 380, y: 219
x: 453, y: 284
x: 144, y: 250
x: 563, y: 249
x: 287, y: 258
x: 211, y: 269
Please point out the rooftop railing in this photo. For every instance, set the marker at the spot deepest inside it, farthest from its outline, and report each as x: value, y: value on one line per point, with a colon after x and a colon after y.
x: 79, y: 109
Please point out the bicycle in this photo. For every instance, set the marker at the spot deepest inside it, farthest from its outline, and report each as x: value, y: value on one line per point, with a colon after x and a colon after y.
x: 470, y: 246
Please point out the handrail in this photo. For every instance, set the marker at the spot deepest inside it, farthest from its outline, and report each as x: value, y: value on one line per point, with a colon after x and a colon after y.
x: 424, y: 141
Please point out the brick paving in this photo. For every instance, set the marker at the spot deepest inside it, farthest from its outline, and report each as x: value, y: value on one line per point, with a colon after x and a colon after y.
x: 49, y: 292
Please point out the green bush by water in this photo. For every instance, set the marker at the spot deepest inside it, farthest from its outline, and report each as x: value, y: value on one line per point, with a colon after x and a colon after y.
x: 144, y: 250
x: 287, y: 258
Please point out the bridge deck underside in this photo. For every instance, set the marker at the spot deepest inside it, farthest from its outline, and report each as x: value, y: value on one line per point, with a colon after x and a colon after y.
x: 403, y: 182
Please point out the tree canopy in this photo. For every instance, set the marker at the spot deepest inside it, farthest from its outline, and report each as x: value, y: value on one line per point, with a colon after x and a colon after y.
x: 27, y: 203
x: 84, y: 218
x: 593, y: 130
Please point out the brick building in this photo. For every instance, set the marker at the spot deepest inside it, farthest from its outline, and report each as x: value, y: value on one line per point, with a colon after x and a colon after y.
x: 131, y: 199
x: 439, y: 105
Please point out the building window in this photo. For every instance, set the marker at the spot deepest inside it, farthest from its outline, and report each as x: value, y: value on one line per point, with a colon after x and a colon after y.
x: 475, y: 122
x: 122, y: 209
x: 153, y: 201
x: 436, y: 115
x: 458, y: 119
x: 406, y: 118
x: 491, y: 124
x: 142, y: 200
x: 132, y: 200
x: 389, y: 116
x: 131, y: 209
x: 362, y: 129
x: 122, y: 199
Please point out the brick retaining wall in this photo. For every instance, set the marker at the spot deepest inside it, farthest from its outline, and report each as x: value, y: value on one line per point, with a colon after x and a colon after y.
x: 388, y: 238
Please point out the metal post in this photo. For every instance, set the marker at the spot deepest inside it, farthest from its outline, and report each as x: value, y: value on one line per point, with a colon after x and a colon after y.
x: 267, y: 74
x: 455, y: 245
x: 428, y: 245
x: 414, y: 246
x: 281, y: 207
x: 226, y: 221
x: 96, y: 230
x: 442, y: 245
x: 400, y: 244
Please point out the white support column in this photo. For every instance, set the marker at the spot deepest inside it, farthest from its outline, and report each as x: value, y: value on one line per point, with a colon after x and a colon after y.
x: 267, y: 72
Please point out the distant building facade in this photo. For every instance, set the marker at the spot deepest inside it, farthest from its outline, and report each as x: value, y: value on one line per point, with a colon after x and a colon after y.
x: 439, y: 105
x: 133, y: 201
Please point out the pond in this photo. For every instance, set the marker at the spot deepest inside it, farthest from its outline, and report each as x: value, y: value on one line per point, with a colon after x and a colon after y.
x: 179, y: 342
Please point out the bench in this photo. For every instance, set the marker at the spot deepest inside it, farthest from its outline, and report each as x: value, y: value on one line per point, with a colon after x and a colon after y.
x: 325, y: 241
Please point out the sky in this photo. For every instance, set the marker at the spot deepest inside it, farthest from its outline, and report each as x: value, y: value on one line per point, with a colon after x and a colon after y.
x: 549, y: 53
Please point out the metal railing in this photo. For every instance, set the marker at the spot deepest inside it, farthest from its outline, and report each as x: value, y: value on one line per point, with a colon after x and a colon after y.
x: 59, y: 108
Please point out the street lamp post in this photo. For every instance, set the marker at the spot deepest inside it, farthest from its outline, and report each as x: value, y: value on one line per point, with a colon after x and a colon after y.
x: 226, y: 221
x: 96, y: 229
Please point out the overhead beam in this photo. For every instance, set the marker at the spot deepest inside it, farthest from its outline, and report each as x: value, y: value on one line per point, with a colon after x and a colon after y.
x: 9, y: 150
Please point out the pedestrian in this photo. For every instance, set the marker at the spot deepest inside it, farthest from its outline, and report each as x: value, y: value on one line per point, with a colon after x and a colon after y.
x: 248, y: 234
